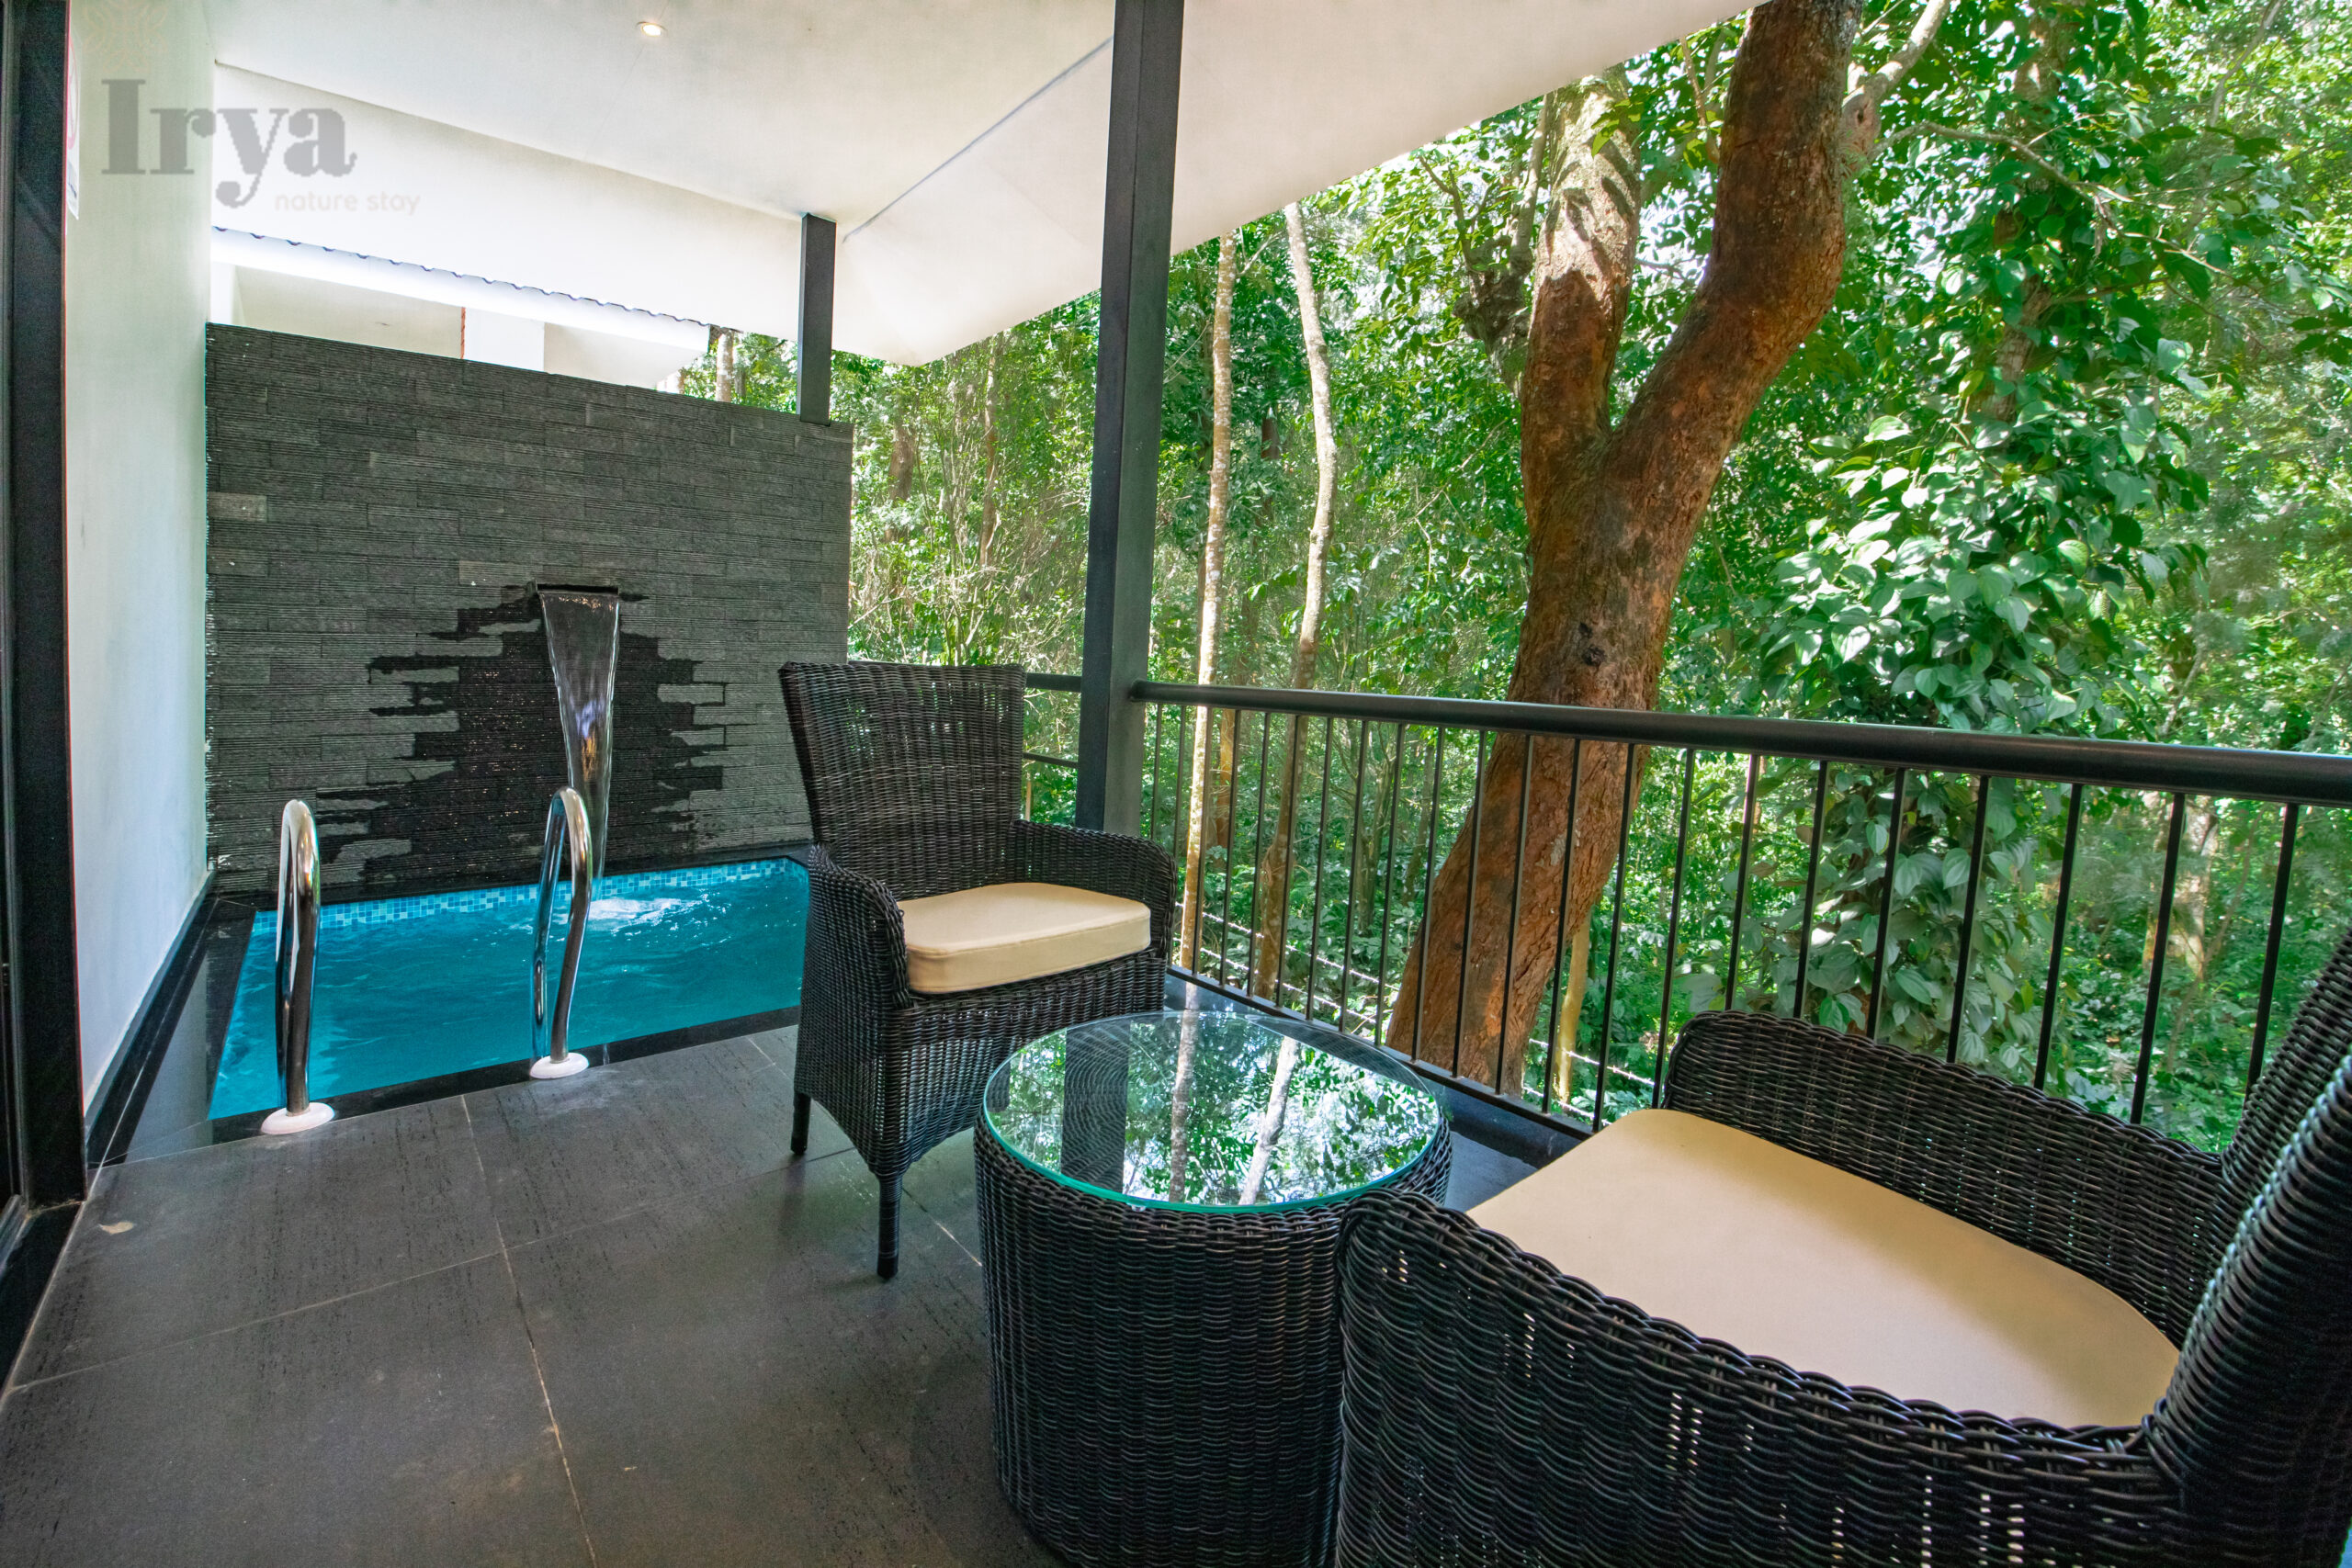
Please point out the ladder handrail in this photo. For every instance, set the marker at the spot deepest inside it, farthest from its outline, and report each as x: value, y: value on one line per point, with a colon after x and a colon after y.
x: 566, y: 827
x: 297, y: 951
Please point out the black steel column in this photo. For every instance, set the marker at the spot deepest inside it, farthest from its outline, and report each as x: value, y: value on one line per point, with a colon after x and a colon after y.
x: 814, y: 397
x: 1147, y: 49
x: 36, y: 785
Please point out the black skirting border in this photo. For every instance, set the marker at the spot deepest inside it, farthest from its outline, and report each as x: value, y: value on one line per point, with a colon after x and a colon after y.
x: 131, y: 1074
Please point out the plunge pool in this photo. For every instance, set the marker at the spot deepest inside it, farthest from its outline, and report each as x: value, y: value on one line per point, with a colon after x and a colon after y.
x: 415, y: 987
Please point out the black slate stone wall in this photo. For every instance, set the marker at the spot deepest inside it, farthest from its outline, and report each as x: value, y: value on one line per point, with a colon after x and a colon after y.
x: 379, y: 522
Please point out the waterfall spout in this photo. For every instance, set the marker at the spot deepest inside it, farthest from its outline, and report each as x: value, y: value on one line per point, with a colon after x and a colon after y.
x: 583, y: 639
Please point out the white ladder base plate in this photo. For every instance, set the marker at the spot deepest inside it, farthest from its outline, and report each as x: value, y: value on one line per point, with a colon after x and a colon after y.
x: 318, y: 1113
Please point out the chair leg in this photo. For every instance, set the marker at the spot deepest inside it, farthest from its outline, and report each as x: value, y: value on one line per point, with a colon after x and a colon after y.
x: 801, y: 1123
x: 886, y: 1259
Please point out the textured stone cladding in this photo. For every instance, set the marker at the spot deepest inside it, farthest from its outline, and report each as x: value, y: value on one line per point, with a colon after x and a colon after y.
x: 380, y: 523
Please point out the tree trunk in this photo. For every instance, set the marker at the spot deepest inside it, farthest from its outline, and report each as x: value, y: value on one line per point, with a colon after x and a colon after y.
x: 902, y: 461
x: 990, y: 467
x: 1270, y: 1123
x: 1613, y: 509
x: 1179, y: 1105
x: 722, y: 343
x: 1212, y: 585
x: 1273, y: 879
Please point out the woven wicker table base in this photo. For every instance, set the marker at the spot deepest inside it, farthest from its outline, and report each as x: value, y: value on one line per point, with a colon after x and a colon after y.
x: 1166, y: 1382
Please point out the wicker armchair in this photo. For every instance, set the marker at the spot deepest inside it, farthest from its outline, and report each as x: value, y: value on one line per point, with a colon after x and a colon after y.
x: 913, y: 779
x: 1499, y: 1412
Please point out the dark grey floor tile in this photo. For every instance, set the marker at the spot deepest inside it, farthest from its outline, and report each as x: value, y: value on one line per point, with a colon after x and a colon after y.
x: 1480, y: 1172
x: 577, y: 1151
x: 941, y: 1192
x: 727, y: 1372
x: 403, y: 1426
x: 173, y: 1247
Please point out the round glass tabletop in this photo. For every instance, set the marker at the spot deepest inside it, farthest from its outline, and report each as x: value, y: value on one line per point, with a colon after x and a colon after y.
x: 1209, y: 1110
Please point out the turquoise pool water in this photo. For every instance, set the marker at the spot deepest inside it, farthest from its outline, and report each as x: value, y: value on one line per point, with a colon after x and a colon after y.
x: 410, y: 988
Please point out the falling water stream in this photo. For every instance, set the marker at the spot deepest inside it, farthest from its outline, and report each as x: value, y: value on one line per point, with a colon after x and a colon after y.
x: 583, y: 639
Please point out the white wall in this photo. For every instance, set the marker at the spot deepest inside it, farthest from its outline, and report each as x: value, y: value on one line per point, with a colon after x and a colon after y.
x: 137, y: 293
x: 279, y: 302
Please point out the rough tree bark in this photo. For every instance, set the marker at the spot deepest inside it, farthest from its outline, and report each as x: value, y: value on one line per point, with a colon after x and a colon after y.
x: 1613, y: 509
x: 722, y: 346
x: 991, y: 467
x: 1212, y: 584
x: 1273, y: 876
x: 903, y: 449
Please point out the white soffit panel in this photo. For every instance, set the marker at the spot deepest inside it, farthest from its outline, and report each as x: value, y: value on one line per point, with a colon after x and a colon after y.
x: 425, y: 193
x: 1280, y: 100
x: 958, y: 144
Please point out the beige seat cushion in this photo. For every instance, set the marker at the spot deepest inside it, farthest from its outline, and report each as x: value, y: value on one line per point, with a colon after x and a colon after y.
x: 1016, y: 930
x: 1738, y: 1239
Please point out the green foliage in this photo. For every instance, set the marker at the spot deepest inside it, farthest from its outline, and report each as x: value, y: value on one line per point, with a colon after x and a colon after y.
x: 2072, y: 453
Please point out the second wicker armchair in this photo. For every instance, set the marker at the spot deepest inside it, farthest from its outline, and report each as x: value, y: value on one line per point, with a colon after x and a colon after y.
x: 944, y: 930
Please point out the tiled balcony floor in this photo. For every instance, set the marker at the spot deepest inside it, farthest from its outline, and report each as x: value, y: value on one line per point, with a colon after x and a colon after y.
x: 607, y: 1320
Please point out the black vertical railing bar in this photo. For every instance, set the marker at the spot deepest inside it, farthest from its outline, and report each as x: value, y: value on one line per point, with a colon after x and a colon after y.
x: 2058, y: 933
x: 1228, y: 831
x: 1355, y: 858
x: 2156, y: 959
x: 1202, y: 719
x: 1257, y: 864
x: 1562, y: 950
x: 1315, y: 906
x: 1968, y: 920
x: 1210, y: 828
x: 1183, y: 786
x: 1475, y: 819
x: 1511, y: 934
x: 1673, y: 922
x: 1886, y: 902
x: 1739, y: 894
x: 1274, y: 920
x: 1206, y: 721
x: 1151, y: 809
x: 1616, y: 942
x: 1387, y: 888
x: 2292, y: 815
x: 1429, y: 879
x: 1812, y: 889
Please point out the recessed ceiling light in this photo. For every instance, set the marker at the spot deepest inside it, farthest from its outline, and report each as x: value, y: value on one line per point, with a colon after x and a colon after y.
x: 650, y: 29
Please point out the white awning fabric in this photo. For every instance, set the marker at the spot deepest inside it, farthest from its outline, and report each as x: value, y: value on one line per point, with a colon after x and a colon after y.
x: 958, y: 145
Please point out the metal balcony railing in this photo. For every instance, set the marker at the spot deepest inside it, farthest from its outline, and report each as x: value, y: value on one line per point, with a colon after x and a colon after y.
x: 2121, y: 923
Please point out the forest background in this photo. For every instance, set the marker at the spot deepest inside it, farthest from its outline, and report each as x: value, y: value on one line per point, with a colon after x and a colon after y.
x: 2071, y: 451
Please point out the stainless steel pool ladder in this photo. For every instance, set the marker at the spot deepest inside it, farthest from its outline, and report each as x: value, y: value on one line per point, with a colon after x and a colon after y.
x: 297, y: 947
x: 551, y: 1018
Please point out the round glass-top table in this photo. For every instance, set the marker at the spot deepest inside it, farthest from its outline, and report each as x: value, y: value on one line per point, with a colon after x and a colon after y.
x: 1160, y: 1199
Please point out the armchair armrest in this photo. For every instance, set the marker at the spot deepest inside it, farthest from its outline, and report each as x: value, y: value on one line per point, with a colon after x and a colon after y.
x: 2122, y: 1205
x: 1102, y: 862
x: 857, y: 941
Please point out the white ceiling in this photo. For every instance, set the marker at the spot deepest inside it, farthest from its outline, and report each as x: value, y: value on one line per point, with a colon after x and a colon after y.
x: 958, y: 144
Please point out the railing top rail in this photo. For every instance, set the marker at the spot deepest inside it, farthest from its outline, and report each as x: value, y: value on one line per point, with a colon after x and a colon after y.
x: 2309, y: 778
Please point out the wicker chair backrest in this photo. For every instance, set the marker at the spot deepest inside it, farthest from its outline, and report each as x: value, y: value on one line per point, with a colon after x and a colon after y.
x: 912, y: 771
x: 2257, y: 1427
x: 2292, y: 1080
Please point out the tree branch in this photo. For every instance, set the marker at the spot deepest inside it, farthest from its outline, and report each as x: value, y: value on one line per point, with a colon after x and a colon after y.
x: 1899, y: 64
x: 1862, y: 101
x: 2023, y: 151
